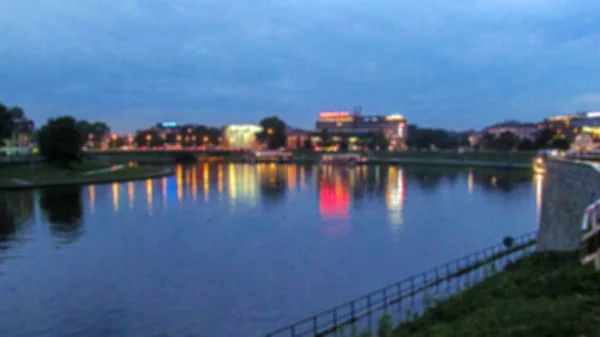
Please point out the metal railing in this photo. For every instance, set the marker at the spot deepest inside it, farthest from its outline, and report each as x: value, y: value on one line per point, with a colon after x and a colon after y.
x: 409, y: 297
x: 591, y: 235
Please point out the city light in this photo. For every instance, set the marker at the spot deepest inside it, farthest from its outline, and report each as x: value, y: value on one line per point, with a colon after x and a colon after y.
x: 395, y: 117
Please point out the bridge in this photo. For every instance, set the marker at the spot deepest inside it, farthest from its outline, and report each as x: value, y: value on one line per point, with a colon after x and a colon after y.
x: 164, y: 156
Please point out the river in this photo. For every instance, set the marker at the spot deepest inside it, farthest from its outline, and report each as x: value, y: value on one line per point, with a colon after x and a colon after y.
x: 238, y: 250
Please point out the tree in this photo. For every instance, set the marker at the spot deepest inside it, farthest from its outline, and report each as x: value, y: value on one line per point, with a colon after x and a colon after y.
x: 148, y: 138
x: 560, y: 144
x: 116, y: 142
x: 93, y: 133
x: 544, y: 138
x: 507, y: 141
x: 488, y: 141
x: 6, y: 123
x: 525, y: 145
x: 63, y: 208
x: 325, y: 138
x: 16, y: 112
x: 308, y: 144
x: 344, y: 144
x: 273, y: 132
x: 60, y: 141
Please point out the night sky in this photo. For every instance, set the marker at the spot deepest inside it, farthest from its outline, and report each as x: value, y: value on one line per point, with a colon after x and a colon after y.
x: 453, y: 64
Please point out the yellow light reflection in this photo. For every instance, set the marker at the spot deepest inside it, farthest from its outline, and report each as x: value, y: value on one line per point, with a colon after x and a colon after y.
x: 470, y: 181
x: 92, y: 191
x: 494, y: 180
x: 220, y: 180
x: 115, y: 196
x: 194, y: 183
x: 179, y: 181
x: 302, y: 178
x: 205, y: 181
x: 231, y: 183
x: 291, y: 177
x: 395, y: 199
x: 130, y: 194
x: 539, y: 186
x: 187, y: 182
x: 149, y: 192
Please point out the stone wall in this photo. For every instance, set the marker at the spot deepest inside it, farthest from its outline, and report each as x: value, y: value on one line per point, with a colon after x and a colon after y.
x: 567, y: 190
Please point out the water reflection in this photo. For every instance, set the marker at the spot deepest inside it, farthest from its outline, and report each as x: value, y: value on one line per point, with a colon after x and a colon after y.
x: 63, y: 209
x: 16, y: 209
x: 322, y: 227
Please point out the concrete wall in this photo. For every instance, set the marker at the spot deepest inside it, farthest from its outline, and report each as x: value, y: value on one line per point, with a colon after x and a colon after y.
x: 568, y: 189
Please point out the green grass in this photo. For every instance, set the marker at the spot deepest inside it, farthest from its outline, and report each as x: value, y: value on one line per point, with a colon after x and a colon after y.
x: 44, y: 174
x: 546, y: 294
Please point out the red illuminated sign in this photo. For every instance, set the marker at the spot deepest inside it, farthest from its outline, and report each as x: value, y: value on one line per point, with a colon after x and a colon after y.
x: 334, y: 114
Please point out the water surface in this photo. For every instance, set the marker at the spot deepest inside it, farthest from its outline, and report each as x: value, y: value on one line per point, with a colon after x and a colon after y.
x: 238, y: 250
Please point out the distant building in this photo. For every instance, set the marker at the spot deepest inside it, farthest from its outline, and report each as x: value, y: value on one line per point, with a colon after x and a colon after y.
x: 242, y: 136
x: 521, y: 130
x: 21, y: 138
x: 296, y: 138
x: 569, y: 126
x: 343, y: 124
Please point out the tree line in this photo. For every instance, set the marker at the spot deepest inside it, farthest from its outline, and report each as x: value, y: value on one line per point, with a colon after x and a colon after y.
x: 61, y: 139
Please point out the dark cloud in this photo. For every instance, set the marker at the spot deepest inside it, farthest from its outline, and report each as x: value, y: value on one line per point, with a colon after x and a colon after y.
x: 133, y: 62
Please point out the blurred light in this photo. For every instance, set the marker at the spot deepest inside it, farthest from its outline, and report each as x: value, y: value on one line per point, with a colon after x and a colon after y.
x: 302, y: 178
x: 220, y: 180
x: 231, y: 183
x: 92, y: 192
x: 470, y: 181
x: 115, y: 196
x: 179, y: 181
x: 130, y: 194
x: 149, y: 192
x: 205, y: 181
x: 539, y: 190
x: 194, y: 183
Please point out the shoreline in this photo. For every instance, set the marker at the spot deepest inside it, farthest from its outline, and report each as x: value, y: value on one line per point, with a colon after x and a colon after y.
x: 99, y: 181
x: 381, y: 161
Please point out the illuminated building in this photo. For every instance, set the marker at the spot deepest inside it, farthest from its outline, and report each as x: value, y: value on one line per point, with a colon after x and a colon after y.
x: 296, y: 138
x: 569, y: 126
x: 343, y: 124
x: 242, y: 136
x: 20, y: 139
x: 521, y: 130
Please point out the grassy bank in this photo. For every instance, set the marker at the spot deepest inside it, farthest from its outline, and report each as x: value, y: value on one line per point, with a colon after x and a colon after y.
x: 500, y: 157
x: 89, y: 172
x: 546, y: 294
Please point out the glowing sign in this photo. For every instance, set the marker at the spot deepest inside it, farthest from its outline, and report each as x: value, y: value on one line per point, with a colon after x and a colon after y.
x: 168, y: 124
x: 334, y: 114
x: 394, y: 118
x: 589, y: 129
x: 593, y: 114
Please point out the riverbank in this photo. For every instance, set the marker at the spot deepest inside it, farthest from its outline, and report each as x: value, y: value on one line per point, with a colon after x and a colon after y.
x: 430, y: 158
x: 545, y: 294
x: 89, y: 172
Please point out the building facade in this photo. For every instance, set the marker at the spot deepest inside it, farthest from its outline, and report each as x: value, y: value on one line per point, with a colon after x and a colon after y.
x: 242, y: 136
x: 521, y: 130
x: 351, y: 126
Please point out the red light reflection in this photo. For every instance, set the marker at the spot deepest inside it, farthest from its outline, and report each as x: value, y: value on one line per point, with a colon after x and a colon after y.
x: 334, y: 204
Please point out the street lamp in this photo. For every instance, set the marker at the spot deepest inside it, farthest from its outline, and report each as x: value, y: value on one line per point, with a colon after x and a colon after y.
x: 269, y: 131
